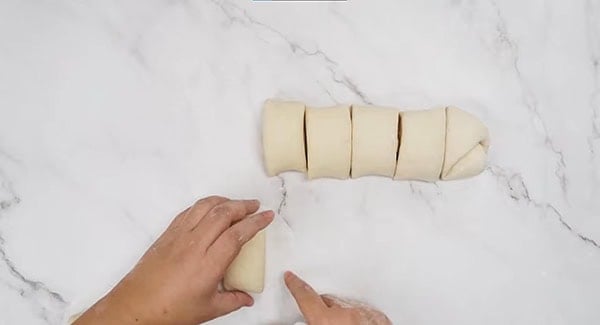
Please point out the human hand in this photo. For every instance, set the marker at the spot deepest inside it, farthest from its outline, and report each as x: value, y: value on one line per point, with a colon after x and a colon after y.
x: 177, y: 280
x: 331, y: 310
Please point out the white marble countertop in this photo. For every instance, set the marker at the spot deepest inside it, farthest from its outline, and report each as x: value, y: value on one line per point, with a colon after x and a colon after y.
x: 116, y: 114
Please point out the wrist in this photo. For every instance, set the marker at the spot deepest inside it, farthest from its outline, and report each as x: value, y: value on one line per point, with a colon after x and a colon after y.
x: 117, y: 308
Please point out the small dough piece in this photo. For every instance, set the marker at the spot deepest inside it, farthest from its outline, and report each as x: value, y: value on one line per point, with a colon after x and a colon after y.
x: 329, y: 141
x: 467, y: 142
x: 247, y: 271
x: 74, y: 318
x: 422, y: 142
x: 374, y: 141
x: 283, y: 136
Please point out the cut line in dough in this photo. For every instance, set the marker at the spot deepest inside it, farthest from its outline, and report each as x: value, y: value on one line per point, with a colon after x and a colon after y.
x: 283, y: 137
x: 329, y: 141
x: 422, y: 141
x: 467, y: 142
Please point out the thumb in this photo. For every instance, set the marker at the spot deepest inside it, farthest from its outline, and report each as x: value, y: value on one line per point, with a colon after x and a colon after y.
x: 230, y: 301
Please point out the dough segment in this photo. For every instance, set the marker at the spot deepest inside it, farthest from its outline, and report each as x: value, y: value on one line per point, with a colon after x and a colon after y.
x: 283, y: 137
x: 467, y: 142
x: 329, y: 141
x: 374, y: 141
x: 422, y: 142
x: 247, y: 271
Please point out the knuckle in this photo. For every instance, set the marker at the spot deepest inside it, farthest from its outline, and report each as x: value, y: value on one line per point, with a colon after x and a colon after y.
x: 222, y: 210
x: 210, y: 199
x: 179, y: 217
x: 234, y: 237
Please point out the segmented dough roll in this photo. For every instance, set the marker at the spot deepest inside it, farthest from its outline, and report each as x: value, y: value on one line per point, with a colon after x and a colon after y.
x: 427, y: 145
x: 467, y: 141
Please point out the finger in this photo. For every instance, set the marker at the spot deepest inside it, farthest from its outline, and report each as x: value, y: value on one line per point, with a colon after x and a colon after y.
x: 308, y: 300
x: 229, y: 301
x: 177, y: 222
x: 221, y: 217
x: 199, y: 209
x: 228, y: 245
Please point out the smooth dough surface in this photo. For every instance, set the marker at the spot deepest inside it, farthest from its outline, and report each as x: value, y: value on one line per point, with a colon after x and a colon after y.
x: 247, y: 271
x: 283, y: 136
x: 467, y: 141
x: 422, y: 142
x: 329, y: 141
x: 374, y: 141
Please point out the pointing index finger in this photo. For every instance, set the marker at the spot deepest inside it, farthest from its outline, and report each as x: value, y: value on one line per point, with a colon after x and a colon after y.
x: 308, y: 300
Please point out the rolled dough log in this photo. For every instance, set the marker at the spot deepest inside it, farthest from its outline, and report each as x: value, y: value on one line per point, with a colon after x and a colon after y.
x: 422, y: 141
x: 374, y: 141
x: 283, y: 136
x: 247, y: 271
x: 329, y: 141
x: 444, y: 143
x: 467, y: 142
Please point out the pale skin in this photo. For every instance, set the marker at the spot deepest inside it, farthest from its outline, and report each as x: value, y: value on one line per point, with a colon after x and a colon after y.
x: 177, y: 281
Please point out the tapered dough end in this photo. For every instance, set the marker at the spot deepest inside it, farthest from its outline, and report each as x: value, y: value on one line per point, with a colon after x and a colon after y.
x: 374, y: 141
x: 329, y: 141
x: 283, y: 136
x: 467, y: 141
x: 472, y: 164
x: 247, y: 271
x: 422, y: 141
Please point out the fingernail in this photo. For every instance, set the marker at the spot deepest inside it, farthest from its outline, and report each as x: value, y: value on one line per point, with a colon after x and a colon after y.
x: 288, y: 275
x: 264, y: 215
